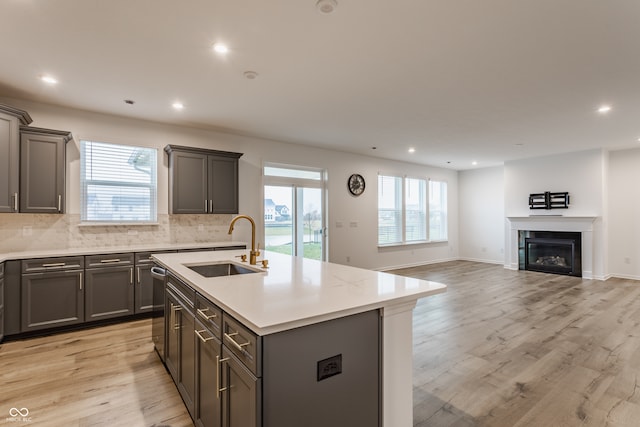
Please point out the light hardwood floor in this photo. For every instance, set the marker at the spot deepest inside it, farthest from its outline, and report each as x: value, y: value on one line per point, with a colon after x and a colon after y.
x: 107, y: 376
x: 500, y: 348
x: 513, y: 348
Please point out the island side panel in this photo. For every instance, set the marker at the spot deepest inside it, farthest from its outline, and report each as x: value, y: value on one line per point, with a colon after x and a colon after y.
x: 397, y: 365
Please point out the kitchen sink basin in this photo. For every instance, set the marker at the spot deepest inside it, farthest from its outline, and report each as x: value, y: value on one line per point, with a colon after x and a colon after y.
x: 221, y: 269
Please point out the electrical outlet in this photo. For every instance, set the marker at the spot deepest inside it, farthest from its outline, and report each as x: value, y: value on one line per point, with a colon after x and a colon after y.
x: 627, y: 260
x: 132, y: 232
x: 27, y: 230
x: 200, y: 228
x: 348, y: 259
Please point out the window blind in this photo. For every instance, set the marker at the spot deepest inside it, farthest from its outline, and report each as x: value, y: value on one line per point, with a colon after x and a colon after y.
x: 118, y: 183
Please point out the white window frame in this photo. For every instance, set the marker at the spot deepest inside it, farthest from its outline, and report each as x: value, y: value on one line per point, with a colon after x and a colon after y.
x: 402, y: 188
x: 85, y: 183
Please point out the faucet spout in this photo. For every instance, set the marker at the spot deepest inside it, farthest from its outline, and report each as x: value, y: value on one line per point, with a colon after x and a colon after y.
x: 254, y: 253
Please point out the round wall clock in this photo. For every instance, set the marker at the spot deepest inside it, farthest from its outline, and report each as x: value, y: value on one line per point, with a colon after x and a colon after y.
x: 356, y: 184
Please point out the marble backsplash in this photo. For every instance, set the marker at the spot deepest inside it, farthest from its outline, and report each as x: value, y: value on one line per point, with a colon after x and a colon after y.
x: 25, y: 232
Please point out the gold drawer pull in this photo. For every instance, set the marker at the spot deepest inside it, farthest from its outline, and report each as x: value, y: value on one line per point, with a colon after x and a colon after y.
x: 236, y: 344
x: 201, y: 312
x: 203, y: 339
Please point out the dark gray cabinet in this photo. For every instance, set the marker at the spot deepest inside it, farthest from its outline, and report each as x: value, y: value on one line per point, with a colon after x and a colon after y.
x: 10, y: 121
x: 109, y: 286
x: 42, y: 170
x: 52, y: 293
x: 323, y: 374
x: 181, y: 339
x: 241, y: 397
x: 1, y: 301
x: 208, y: 383
x: 202, y: 181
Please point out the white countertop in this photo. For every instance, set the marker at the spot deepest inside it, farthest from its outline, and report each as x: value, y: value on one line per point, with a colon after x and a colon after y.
x: 62, y: 252
x: 294, y: 291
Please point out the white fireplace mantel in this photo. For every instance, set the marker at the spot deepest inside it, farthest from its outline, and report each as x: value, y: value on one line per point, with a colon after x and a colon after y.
x: 582, y: 224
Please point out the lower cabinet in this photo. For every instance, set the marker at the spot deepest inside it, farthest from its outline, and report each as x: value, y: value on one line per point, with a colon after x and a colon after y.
x: 241, y: 397
x: 52, y: 293
x: 109, y: 286
x: 215, y: 385
x: 208, y: 382
x: 1, y: 301
x: 180, y: 350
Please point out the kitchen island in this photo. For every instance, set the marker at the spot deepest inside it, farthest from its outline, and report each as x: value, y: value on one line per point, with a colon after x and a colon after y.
x: 294, y: 293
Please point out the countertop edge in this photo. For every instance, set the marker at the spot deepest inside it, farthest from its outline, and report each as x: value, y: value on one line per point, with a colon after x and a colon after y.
x: 47, y: 253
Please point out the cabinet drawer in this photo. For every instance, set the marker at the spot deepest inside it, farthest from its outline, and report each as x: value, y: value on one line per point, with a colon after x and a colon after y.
x: 107, y: 260
x: 181, y: 289
x: 143, y: 258
x: 38, y: 265
x: 242, y: 342
x: 209, y: 314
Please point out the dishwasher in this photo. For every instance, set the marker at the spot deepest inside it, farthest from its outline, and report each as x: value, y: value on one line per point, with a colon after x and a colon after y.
x: 157, y: 315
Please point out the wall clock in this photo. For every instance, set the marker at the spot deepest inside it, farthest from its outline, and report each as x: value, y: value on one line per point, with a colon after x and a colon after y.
x: 356, y: 184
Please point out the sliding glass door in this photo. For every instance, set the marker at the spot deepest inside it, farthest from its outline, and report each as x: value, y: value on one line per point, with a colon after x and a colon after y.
x: 294, y: 220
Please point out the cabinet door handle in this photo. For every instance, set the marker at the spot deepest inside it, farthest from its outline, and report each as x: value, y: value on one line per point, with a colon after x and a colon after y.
x: 236, y: 344
x: 131, y: 276
x: 211, y: 205
x: 139, y: 282
x: 54, y: 265
x: 219, y: 369
x: 80, y: 281
x: 59, y: 203
x: 201, y: 312
x: 176, y: 324
x: 203, y: 339
x: 15, y: 202
x: 205, y: 206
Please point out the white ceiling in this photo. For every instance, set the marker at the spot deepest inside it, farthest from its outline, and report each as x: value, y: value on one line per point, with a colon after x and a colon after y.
x: 459, y: 80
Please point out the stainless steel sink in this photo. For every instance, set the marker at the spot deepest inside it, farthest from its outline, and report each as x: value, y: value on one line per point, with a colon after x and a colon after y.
x: 220, y: 269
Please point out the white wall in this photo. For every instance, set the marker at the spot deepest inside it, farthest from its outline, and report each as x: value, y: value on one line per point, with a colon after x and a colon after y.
x: 624, y: 213
x: 583, y: 174
x: 482, y: 215
x: 358, y: 243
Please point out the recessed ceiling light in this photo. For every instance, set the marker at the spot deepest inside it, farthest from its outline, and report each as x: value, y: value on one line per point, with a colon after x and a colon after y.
x: 604, y: 109
x: 220, y: 48
x: 49, y: 79
x: 474, y: 163
x: 178, y: 105
x: 326, y: 6
x: 250, y: 75
x: 412, y: 150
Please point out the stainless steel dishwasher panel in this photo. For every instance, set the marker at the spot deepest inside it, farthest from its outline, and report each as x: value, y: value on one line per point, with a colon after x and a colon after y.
x: 157, y: 315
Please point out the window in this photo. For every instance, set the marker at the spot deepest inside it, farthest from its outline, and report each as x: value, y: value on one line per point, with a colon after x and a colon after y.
x: 389, y: 209
x: 294, y: 210
x: 437, y: 210
x: 411, y: 211
x: 118, y: 183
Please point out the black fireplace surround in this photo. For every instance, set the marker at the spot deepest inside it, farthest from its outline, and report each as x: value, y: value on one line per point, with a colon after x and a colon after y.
x: 558, y: 252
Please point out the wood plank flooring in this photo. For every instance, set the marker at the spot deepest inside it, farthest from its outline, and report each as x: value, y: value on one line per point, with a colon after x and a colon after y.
x: 513, y: 348
x: 500, y: 348
x: 106, y: 376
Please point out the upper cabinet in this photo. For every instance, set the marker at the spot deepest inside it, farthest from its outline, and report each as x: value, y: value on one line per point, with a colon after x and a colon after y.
x: 10, y: 121
x: 42, y: 169
x: 202, y: 181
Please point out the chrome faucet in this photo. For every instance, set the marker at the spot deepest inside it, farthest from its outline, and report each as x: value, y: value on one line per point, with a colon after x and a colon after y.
x: 254, y: 252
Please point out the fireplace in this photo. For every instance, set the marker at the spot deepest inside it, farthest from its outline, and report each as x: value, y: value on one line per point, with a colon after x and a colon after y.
x: 557, y: 252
